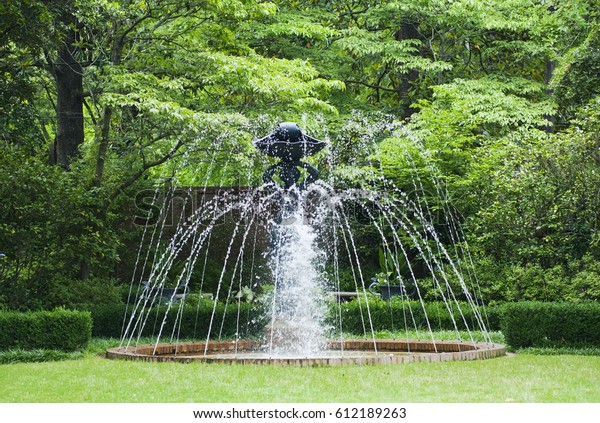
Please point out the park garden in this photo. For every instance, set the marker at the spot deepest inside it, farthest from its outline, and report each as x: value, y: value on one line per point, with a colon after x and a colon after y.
x: 484, y: 116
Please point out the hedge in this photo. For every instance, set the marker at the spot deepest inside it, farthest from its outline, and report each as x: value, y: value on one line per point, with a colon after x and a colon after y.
x: 192, y: 321
x: 524, y: 324
x: 60, y: 329
x: 542, y: 324
x: 396, y: 314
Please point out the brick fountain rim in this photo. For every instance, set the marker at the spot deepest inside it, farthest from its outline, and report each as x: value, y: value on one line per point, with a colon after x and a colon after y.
x: 353, y: 352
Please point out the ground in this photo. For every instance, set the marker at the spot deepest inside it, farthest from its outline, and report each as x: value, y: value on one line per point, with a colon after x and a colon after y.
x: 514, y: 378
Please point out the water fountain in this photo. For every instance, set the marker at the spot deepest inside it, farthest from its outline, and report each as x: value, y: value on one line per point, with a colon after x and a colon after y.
x: 304, y: 210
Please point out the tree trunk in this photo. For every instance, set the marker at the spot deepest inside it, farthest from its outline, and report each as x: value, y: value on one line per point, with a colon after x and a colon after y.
x: 103, y: 130
x: 408, y: 31
x: 68, y: 77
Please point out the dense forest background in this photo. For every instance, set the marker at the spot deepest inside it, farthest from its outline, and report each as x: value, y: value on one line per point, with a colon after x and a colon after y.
x: 496, y: 100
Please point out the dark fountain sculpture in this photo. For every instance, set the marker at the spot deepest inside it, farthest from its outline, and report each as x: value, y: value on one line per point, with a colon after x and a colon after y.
x: 289, y: 144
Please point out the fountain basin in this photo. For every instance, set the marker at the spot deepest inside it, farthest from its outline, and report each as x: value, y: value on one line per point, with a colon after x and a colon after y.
x: 340, y: 353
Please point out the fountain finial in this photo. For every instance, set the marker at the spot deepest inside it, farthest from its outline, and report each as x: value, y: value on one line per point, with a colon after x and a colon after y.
x: 289, y: 144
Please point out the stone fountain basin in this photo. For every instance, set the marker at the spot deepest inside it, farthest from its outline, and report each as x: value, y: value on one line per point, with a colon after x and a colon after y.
x: 346, y: 352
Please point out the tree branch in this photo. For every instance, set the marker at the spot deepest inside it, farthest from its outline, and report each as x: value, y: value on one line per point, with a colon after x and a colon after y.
x: 90, y: 111
x: 376, y: 87
x: 137, y: 175
x: 351, y: 13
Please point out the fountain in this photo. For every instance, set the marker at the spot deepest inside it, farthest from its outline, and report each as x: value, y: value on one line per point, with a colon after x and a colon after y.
x: 303, y: 211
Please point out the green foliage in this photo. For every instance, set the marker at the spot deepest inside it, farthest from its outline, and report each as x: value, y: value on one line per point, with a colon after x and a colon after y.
x: 177, y: 91
x: 490, y: 104
x: 50, y: 232
x: 536, y: 196
x: 396, y: 315
x: 539, y: 324
x: 83, y: 295
x: 59, y: 329
x: 192, y: 321
x: 18, y: 117
x: 500, y: 281
x: 395, y: 51
x: 577, y: 79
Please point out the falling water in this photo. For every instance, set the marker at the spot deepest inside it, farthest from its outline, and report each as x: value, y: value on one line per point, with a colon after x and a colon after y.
x: 298, y: 308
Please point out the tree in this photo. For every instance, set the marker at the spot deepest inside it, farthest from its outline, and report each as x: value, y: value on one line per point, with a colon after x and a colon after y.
x: 140, y: 87
x: 129, y: 94
x: 26, y: 29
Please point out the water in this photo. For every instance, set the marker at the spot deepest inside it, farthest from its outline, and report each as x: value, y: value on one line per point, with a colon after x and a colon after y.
x: 298, y: 307
x: 290, y: 249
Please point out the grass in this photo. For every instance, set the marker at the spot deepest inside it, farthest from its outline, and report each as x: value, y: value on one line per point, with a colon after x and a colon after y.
x: 522, y: 377
x: 36, y: 356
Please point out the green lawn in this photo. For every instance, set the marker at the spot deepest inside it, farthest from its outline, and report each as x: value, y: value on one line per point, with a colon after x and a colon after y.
x: 518, y: 378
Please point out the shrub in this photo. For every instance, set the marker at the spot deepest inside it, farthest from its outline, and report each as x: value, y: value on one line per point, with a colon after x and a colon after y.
x: 52, y: 232
x: 183, y: 320
x: 502, y: 281
x: 397, y: 314
x: 540, y: 324
x: 82, y: 295
x: 60, y: 329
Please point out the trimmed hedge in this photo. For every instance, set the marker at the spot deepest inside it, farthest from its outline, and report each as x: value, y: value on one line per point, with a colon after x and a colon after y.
x: 192, y: 322
x: 392, y: 315
x: 542, y: 324
x: 195, y: 319
x: 60, y: 329
x: 524, y: 324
